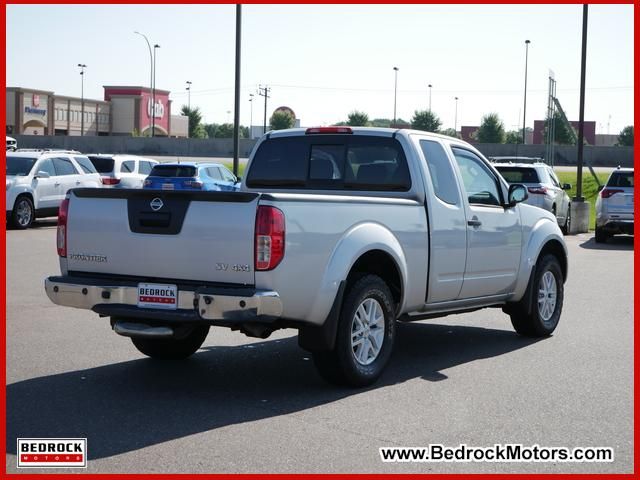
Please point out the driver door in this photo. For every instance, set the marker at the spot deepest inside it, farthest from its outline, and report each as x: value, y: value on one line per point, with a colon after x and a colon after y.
x: 494, y: 233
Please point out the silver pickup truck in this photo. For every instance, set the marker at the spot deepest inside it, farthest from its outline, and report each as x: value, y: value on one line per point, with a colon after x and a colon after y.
x: 337, y: 232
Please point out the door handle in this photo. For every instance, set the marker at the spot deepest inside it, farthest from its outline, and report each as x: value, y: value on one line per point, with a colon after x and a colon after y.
x: 77, y: 183
x: 474, y: 222
x: 57, y: 184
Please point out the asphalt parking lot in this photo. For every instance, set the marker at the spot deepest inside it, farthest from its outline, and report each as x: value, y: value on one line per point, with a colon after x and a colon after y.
x: 246, y: 405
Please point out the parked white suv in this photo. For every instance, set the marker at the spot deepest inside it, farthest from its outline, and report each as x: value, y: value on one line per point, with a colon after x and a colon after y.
x: 545, y: 189
x: 122, y: 171
x: 12, y: 144
x: 38, y: 181
x: 614, y: 205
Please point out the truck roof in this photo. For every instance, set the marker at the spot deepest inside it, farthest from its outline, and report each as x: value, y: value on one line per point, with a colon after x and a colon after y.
x: 373, y: 131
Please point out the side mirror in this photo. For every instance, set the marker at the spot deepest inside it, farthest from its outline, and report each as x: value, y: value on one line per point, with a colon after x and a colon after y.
x: 566, y: 186
x: 42, y: 174
x: 517, y: 193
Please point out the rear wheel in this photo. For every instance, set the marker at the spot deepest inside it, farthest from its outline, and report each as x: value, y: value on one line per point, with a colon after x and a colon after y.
x: 601, y: 235
x: 546, y: 294
x: 23, y: 213
x: 365, y: 336
x: 172, y: 348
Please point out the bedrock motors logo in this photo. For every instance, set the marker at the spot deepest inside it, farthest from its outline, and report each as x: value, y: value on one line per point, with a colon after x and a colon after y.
x: 52, y: 452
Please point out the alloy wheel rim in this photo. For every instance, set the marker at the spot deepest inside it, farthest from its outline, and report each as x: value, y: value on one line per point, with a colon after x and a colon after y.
x: 367, y: 331
x: 23, y: 213
x: 547, y: 296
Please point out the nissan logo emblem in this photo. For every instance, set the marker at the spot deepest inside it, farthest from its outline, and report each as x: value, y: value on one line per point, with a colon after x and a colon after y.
x: 156, y: 204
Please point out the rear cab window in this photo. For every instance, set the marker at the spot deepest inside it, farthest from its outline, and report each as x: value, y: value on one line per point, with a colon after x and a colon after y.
x: 166, y: 171
x: 330, y: 162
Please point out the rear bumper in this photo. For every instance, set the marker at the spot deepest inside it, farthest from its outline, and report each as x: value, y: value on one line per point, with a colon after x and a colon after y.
x: 618, y: 226
x: 210, y: 305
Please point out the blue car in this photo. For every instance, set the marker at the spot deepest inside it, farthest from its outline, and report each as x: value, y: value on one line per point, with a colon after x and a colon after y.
x: 191, y: 176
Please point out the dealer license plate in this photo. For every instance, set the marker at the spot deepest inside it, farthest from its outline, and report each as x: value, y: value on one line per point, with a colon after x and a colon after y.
x: 157, y: 295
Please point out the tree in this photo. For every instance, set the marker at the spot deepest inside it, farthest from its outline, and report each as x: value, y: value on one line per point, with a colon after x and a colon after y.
x: 426, y: 120
x: 358, y: 119
x: 195, y: 117
x: 491, y: 129
x: 281, y: 120
x: 224, y: 131
x: 450, y: 132
x: 211, y: 128
x: 625, y: 138
x: 381, y: 122
x: 513, y: 136
x: 562, y: 135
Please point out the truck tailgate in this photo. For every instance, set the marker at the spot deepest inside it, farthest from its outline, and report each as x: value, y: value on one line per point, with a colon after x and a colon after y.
x: 202, y: 236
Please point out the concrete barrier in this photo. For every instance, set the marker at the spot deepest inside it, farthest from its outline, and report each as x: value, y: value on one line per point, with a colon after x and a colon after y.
x: 223, y: 147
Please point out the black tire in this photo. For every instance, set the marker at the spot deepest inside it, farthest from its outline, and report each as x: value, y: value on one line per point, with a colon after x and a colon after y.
x: 172, y: 348
x: 23, y: 213
x: 536, y: 321
x: 340, y: 366
x: 601, y: 235
x: 567, y: 222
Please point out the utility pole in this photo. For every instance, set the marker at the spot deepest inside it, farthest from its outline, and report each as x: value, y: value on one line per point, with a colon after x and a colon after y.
x: 153, y: 94
x: 82, y: 67
x: 236, y: 117
x: 264, y: 92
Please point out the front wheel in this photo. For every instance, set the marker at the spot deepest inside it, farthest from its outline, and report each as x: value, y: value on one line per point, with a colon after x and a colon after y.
x: 541, y: 318
x: 365, y: 336
x: 23, y: 213
x: 172, y: 348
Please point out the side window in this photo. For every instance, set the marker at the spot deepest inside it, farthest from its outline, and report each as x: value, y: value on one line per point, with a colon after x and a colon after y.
x: 553, y: 178
x: 479, y: 182
x: 441, y: 171
x: 128, y: 166
x: 85, y: 164
x: 46, y: 165
x: 64, y: 166
x: 144, y: 167
x: 227, y: 176
x: 214, y: 173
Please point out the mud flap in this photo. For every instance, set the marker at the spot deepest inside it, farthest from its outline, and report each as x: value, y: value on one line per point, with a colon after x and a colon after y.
x: 323, y: 337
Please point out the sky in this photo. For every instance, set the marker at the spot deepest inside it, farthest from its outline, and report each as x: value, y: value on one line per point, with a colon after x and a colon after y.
x: 324, y: 61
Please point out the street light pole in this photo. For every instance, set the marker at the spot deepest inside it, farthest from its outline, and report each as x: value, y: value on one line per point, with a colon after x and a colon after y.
x: 455, y: 121
x: 153, y: 93
x: 82, y: 67
x: 395, y: 94
x: 251, y: 95
x: 150, y: 62
x: 189, y: 95
x: 236, y: 106
x: 524, y: 109
x: 430, y: 96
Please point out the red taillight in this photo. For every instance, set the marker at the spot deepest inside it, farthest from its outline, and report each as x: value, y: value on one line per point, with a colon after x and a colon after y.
x: 62, y: 228
x: 269, y: 240
x: 109, y: 180
x: 538, y: 190
x: 328, y: 130
x: 193, y: 184
x: 607, y: 192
